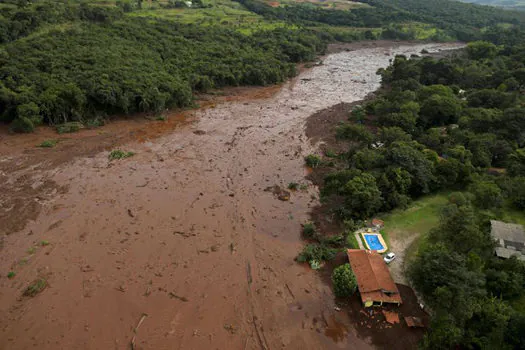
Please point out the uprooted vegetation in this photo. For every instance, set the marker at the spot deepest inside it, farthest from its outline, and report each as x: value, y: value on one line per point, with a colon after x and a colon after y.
x: 119, y: 154
x: 36, y: 287
x: 48, y: 143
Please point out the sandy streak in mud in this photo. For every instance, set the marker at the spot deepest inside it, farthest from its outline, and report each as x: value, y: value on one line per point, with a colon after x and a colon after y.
x: 185, y: 233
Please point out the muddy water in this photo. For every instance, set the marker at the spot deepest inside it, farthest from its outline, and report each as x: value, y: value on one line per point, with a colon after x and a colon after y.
x: 185, y: 233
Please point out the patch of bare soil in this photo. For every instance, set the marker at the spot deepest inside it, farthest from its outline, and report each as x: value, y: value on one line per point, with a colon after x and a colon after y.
x: 182, y: 231
x: 371, y: 323
x: 397, y: 267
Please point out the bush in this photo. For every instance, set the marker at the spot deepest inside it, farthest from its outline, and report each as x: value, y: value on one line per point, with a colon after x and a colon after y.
x: 22, y: 125
x: 95, y: 122
x: 309, y: 230
x: 48, y: 143
x: 316, y: 252
x: 293, y: 186
x: 333, y: 241
x: 313, y: 160
x: 344, y: 281
x: 119, y: 154
x: 69, y: 127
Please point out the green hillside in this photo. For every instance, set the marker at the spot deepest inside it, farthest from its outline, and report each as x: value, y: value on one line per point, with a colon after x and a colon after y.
x: 509, y: 4
x: 77, y: 60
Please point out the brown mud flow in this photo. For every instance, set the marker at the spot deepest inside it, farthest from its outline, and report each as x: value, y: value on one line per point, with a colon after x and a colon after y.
x: 183, y: 231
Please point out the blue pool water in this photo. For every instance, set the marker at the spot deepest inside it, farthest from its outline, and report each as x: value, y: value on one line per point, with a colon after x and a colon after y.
x: 373, y: 242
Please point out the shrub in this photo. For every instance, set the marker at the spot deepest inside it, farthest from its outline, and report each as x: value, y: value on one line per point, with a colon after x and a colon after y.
x: 119, y: 154
x: 330, y: 153
x: 344, y: 281
x: 293, y: 186
x: 69, y: 127
x: 313, y: 160
x: 358, y: 114
x: 333, y: 241
x: 309, y: 230
x: 316, y: 252
x: 27, y: 118
x: 48, y: 143
x: 95, y: 123
x: 22, y: 125
x: 11, y: 274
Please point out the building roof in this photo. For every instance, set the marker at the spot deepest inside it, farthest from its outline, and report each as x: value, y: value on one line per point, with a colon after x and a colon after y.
x: 377, y: 222
x: 373, y: 277
x: 507, y: 253
x: 510, y: 239
x: 414, y: 322
x: 507, y: 232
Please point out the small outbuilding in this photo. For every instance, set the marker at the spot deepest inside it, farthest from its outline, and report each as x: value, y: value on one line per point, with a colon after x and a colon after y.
x: 374, y: 281
x: 378, y: 224
x: 414, y: 322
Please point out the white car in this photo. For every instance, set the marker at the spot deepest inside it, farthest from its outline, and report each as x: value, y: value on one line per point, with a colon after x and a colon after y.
x: 389, y: 257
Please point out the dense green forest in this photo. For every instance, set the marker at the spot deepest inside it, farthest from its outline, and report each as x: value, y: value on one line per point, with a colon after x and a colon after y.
x: 78, y: 60
x: 509, y: 4
x: 454, y: 124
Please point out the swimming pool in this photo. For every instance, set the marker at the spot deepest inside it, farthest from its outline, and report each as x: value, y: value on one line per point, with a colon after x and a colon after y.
x: 375, y: 242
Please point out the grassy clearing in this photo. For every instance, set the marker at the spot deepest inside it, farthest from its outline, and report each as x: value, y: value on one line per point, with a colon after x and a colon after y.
x: 351, y: 241
x: 419, y: 218
x: 119, y: 154
x: 221, y: 12
x: 326, y: 4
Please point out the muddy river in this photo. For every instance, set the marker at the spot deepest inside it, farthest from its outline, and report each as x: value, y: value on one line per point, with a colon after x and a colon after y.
x: 178, y: 246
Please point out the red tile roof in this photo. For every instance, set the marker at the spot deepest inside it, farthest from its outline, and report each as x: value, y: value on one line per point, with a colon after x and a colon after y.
x: 373, y: 277
x: 414, y: 322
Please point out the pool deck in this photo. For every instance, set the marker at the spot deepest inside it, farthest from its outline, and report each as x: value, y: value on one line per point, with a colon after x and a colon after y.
x: 379, y: 237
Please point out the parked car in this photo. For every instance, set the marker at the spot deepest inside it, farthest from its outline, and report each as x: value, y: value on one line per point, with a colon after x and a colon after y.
x: 389, y: 257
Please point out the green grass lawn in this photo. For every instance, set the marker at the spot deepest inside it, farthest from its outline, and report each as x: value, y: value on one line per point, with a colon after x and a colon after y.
x: 418, y: 218
x: 223, y: 12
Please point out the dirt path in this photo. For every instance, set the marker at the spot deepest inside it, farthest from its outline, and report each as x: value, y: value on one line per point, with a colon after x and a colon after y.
x: 183, y: 231
x: 397, y: 267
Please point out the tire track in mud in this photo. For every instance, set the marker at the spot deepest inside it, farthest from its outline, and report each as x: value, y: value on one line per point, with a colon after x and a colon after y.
x: 173, y: 231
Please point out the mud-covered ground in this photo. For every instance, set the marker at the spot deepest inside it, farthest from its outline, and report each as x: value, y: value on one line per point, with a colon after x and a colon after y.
x: 183, y: 231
